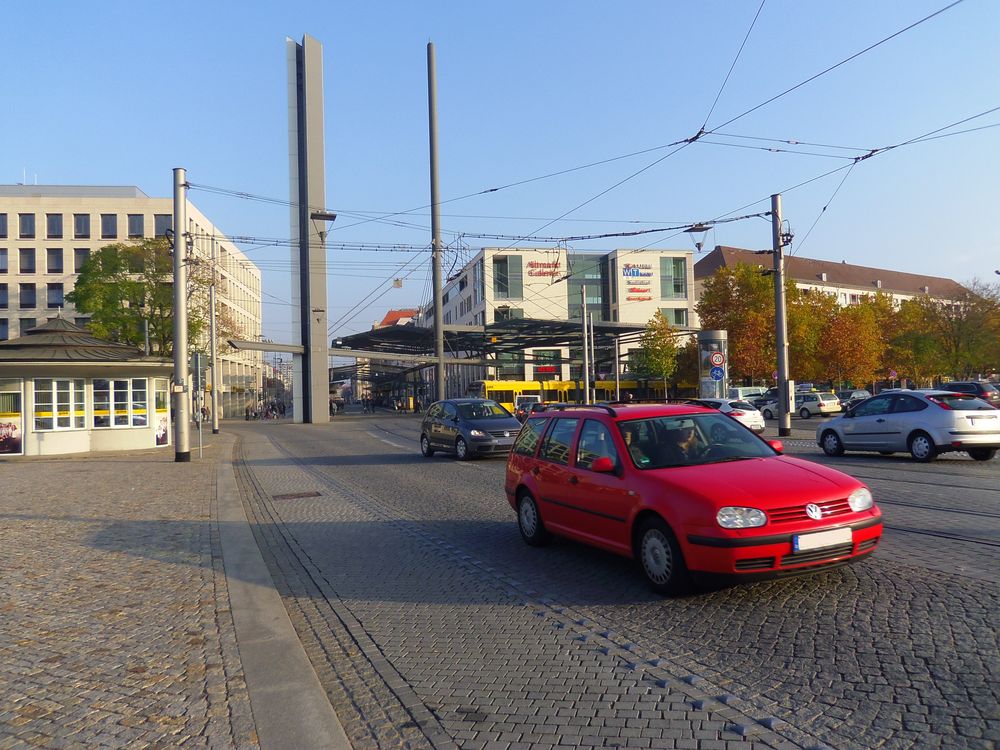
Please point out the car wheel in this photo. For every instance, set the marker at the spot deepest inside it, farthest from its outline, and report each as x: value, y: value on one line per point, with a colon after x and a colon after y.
x: 831, y: 444
x: 767, y: 414
x: 461, y: 449
x: 529, y: 521
x: 922, y: 447
x: 804, y: 413
x: 661, y: 559
x: 982, y: 454
x: 425, y: 446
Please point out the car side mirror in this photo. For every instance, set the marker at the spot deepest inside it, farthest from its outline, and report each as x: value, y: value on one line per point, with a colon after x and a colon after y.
x: 777, y: 446
x: 603, y: 464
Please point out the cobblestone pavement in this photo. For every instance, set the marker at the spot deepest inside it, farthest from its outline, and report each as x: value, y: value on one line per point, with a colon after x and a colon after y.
x: 504, y: 646
x: 114, y: 623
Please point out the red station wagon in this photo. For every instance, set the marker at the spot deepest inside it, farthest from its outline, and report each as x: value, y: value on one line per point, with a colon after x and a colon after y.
x: 687, y: 492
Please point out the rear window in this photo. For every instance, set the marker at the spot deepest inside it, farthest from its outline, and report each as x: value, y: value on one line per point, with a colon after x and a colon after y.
x: 961, y: 402
x: 742, y: 405
x: 989, y: 388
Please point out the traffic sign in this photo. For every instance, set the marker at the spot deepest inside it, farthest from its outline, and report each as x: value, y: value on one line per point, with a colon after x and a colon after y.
x: 892, y: 374
x: 718, y: 359
x: 717, y: 373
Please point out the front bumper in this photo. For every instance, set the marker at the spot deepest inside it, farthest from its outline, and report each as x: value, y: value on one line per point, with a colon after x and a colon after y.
x: 491, y: 446
x: 772, y: 555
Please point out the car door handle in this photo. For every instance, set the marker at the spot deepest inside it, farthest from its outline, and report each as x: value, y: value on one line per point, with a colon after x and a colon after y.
x: 574, y: 480
x: 880, y: 419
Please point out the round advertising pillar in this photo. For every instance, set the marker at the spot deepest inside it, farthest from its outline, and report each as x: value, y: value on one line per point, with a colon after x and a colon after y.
x: 713, y: 364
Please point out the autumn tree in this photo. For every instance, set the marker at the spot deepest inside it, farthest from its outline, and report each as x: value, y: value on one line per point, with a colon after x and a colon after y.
x: 657, y: 353
x: 852, y: 345
x: 124, y: 287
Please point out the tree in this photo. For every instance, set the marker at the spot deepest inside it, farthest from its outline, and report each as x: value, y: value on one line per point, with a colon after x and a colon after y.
x: 852, y: 345
x: 966, y: 328
x: 125, y: 286
x: 657, y: 353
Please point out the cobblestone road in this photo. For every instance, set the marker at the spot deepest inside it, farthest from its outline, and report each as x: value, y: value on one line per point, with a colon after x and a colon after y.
x: 486, y: 643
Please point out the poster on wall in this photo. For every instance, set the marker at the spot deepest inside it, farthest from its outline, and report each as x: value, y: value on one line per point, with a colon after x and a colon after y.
x: 11, y: 418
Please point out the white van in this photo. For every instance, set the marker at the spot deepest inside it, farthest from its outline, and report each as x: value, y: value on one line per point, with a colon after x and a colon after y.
x: 745, y: 393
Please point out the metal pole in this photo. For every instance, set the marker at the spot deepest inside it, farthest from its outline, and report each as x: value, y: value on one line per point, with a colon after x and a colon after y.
x: 435, y: 225
x: 213, y: 351
x: 586, y: 358
x: 618, y: 383
x: 780, y: 319
x: 593, y: 357
x: 182, y: 397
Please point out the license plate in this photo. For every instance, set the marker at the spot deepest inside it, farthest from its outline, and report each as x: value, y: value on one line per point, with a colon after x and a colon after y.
x: 831, y: 538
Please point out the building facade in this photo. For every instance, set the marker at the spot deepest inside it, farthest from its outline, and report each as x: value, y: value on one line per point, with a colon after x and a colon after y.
x: 624, y: 286
x: 47, y: 233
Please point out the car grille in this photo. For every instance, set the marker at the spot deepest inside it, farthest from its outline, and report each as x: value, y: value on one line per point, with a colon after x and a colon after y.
x: 755, y: 563
x: 817, y: 555
x: 797, y: 513
x: 867, y: 544
x: 500, y: 433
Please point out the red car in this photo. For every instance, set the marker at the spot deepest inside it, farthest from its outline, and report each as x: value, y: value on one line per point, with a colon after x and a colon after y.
x: 688, y: 492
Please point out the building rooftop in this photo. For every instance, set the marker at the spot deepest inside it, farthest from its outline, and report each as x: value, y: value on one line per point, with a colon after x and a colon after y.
x: 70, y: 191
x: 58, y: 340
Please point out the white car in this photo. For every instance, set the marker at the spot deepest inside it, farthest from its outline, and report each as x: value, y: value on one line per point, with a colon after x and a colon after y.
x: 925, y: 423
x: 741, y: 411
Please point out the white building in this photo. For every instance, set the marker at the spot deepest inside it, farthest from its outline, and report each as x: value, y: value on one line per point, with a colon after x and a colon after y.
x: 624, y: 286
x: 47, y: 232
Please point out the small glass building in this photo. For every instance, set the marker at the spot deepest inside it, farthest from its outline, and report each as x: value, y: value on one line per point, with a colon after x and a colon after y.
x: 62, y: 390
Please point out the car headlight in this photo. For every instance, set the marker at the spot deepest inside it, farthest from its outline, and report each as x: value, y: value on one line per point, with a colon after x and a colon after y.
x: 740, y: 518
x: 860, y: 499
x: 478, y: 433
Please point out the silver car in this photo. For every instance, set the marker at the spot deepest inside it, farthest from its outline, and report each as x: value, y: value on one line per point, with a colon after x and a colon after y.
x: 925, y: 423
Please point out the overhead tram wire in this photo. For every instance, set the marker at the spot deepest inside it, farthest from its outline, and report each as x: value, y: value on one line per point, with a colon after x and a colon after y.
x: 733, y: 66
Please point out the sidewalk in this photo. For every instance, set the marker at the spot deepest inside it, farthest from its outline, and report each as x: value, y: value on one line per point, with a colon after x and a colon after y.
x: 136, y: 611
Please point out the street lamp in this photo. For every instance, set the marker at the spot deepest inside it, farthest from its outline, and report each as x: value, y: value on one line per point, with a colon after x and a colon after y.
x: 696, y: 229
x: 327, y: 216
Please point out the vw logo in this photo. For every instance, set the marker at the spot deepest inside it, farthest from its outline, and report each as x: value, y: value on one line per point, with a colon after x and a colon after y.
x: 507, y: 433
x: 814, y: 512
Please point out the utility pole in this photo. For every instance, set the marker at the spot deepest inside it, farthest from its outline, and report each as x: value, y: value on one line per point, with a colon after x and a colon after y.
x: 435, y: 225
x: 593, y: 357
x: 214, y: 353
x: 780, y: 319
x: 586, y: 358
x: 182, y: 395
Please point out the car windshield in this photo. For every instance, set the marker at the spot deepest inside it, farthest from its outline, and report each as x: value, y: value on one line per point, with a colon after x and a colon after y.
x: 694, y: 439
x: 961, y: 402
x: 482, y: 410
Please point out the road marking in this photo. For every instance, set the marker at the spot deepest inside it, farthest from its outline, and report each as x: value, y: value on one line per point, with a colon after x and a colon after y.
x: 388, y: 442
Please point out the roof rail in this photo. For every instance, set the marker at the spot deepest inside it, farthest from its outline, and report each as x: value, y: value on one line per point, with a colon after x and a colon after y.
x: 564, y: 407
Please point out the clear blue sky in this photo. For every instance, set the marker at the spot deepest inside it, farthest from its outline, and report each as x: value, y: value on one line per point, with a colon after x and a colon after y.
x: 119, y: 93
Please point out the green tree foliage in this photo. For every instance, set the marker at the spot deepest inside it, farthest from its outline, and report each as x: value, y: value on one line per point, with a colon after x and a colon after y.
x: 741, y: 301
x: 123, y: 285
x: 657, y: 353
x: 966, y: 329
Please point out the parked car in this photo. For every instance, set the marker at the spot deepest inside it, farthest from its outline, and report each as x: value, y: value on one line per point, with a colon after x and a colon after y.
x: 812, y: 404
x: 467, y: 427
x: 522, y: 404
x: 981, y: 388
x: 768, y: 396
x: 685, y: 491
x: 745, y: 393
x: 741, y: 411
x: 852, y: 398
x: 926, y: 423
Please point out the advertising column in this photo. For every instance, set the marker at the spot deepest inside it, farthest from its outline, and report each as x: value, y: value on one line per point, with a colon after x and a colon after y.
x: 713, y: 364
x: 11, y: 418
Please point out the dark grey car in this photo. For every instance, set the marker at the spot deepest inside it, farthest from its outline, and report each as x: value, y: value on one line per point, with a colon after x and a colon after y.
x: 468, y: 427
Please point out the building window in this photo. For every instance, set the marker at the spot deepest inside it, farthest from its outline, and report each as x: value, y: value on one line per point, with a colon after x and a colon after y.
x: 4, y: 329
x: 462, y: 283
x: 26, y: 296
x: 25, y: 325
x: 4, y: 301
x: 81, y: 226
x: 112, y: 402
x: 80, y: 256
x: 109, y: 226
x: 507, y: 277
x: 26, y: 226
x: 55, y: 296
x: 60, y: 404
x: 508, y: 313
x: 82, y: 322
x: 26, y: 260
x: 3, y: 226
x: 675, y: 316
x: 135, y: 226
x: 3, y: 260
x: 54, y: 260
x: 53, y: 226
x: 673, y: 278
x: 161, y: 223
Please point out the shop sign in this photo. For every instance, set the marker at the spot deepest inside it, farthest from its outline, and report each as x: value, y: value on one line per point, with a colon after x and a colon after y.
x: 636, y: 270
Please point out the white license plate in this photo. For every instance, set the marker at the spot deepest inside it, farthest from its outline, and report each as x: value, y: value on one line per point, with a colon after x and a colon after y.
x: 831, y: 538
